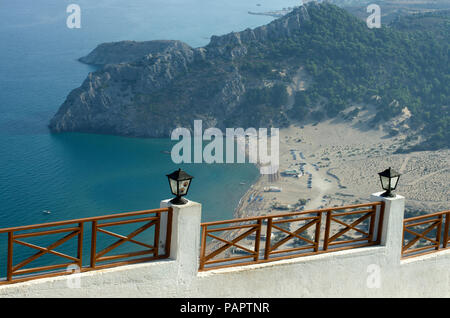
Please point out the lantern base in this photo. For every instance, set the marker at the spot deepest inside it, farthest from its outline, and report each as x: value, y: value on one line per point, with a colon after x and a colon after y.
x: 178, y: 201
x: 387, y: 194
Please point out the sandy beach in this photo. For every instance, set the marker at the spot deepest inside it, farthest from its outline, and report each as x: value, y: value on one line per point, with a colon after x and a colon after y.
x: 342, y: 161
x: 338, y: 164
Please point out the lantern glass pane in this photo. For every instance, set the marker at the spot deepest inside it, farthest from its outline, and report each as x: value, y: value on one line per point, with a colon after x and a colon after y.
x: 384, y: 182
x: 173, y: 186
x: 184, y: 186
x: 394, y: 182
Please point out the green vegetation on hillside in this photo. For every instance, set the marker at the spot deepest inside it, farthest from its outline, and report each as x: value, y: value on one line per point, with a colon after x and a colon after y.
x: 328, y: 58
x: 404, y: 66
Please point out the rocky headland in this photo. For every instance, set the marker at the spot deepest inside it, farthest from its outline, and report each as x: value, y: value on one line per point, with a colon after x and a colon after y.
x: 312, y: 64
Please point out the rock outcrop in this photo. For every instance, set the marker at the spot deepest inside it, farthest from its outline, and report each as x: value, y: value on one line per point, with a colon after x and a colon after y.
x: 128, y: 51
x: 252, y: 78
x: 146, y: 89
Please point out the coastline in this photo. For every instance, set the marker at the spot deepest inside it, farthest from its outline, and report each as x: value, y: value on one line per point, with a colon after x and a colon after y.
x: 240, y: 210
x: 340, y: 162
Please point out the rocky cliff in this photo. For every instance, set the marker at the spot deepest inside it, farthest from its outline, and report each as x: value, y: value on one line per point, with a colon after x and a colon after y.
x: 310, y: 64
x: 147, y: 89
x: 128, y: 51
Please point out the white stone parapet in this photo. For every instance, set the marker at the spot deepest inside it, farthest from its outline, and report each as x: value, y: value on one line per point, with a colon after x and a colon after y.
x: 373, y: 271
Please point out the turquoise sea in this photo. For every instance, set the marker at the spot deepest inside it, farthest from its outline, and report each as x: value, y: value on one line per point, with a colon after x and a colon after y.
x: 80, y: 175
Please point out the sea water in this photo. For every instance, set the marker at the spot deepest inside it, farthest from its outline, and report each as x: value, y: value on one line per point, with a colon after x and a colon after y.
x: 76, y: 175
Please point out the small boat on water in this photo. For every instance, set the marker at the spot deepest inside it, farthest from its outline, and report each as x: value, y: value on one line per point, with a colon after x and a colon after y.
x: 46, y: 212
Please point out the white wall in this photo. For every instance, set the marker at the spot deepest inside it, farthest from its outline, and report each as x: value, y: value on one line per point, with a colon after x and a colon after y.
x: 364, y: 272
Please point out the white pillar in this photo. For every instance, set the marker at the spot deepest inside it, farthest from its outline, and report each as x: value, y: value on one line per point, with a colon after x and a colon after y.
x: 392, y: 231
x: 185, y: 240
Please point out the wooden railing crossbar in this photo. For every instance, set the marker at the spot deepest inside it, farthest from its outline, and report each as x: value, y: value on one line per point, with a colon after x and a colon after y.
x: 272, y: 222
x: 438, y: 221
x: 14, y: 271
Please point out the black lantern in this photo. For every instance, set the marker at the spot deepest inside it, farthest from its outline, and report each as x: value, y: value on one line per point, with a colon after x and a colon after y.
x: 179, y: 182
x: 389, y: 180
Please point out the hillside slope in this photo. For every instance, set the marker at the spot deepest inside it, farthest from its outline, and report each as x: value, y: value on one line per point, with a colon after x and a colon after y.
x: 246, y: 79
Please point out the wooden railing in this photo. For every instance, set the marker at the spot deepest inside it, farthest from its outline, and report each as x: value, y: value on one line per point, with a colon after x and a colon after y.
x: 425, y: 234
x: 75, y: 230
x: 294, y: 234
